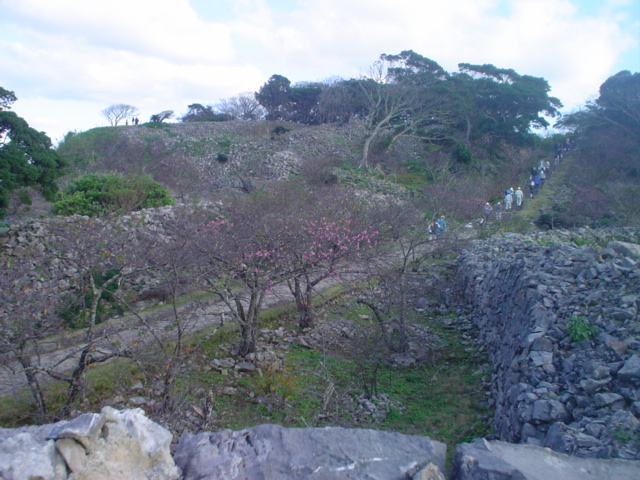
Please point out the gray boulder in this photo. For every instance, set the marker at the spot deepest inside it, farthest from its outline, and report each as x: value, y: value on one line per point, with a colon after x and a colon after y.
x: 626, y: 249
x: 630, y: 371
x: 25, y: 453
x: 271, y: 451
x: 113, y: 444
x: 485, y: 460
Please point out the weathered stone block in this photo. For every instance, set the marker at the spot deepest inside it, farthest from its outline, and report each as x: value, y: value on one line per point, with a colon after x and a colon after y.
x: 271, y: 451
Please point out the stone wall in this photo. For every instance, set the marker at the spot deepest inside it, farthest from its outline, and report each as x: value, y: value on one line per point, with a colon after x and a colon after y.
x: 576, y: 397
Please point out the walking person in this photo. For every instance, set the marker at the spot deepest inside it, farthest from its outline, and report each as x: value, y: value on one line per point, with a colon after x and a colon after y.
x: 442, y: 225
x: 508, y: 201
x: 486, y: 213
x: 498, y: 211
x: 519, y: 196
x: 433, y: 230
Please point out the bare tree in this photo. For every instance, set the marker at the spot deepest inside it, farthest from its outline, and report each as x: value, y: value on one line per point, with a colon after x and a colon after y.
x: 400, y: 100
x: 101, y: 254
x: 27, y: 317
x: 241, y: 261
x: 119, y: 112
x: 162, y: 340
x: 242, y: 107
x: 53, y: 334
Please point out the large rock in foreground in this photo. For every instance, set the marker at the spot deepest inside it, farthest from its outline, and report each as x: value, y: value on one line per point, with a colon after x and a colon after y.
x: 271, y: 451
x: 112, y: 444
x: 484, y: 460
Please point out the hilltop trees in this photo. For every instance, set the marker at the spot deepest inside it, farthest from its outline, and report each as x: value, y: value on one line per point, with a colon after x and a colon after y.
x: 162, y: 116
x: 7, y: 98
x: 607, y: 133
x: 119, y: 112
x: 201, y: 113
x: 26, y: 156
x: 501, y: 102
x: 241, y: 107
x: 616, y: 110
x: 408, y: 94
x: 401, y: 100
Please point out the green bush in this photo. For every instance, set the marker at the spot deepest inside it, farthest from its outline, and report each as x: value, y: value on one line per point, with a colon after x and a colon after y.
x: 579, y: 329
x: 99, y: 194
x: 461, y: 154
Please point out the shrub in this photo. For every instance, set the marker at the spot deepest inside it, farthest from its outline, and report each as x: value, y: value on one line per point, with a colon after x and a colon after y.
x: 279, y: 130
x: 579, y: 329
x: 461, y: 154
x: 98, y: 194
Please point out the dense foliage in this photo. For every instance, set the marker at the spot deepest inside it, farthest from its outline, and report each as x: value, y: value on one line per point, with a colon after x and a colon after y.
x: 411, y: 94
x: 98, y: 194
x: 604, y: 188
x: 26, y: 156
x: 200, y: 113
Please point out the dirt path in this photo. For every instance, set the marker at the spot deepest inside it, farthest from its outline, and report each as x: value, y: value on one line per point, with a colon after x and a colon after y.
x: 61, y: 353
x: 130, y: 332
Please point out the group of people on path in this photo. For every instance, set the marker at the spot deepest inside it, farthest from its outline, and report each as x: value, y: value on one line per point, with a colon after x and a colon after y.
x: 539, y: 174
x: 512, y: 199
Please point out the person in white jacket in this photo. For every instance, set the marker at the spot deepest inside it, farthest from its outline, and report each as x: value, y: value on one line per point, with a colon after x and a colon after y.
x: 508, y: 201
x: 519, y: 198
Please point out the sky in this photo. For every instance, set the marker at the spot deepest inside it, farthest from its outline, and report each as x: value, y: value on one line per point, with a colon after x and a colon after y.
x: 67, y: 60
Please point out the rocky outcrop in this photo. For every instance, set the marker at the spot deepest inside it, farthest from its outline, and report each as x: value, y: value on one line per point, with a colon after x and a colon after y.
x: 128, y: 446
x: 483, y: 460
x: 558, y: 315
x: 113, y: 444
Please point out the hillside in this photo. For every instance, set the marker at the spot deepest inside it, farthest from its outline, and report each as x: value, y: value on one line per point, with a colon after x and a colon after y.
x: 195, y: 158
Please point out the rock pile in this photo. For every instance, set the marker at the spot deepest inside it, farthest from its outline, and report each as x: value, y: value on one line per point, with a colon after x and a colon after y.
x: 558, y: 315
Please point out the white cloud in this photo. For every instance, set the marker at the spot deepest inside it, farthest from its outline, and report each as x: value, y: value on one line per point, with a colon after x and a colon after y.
x: 546, y: 38
x: 166, y: 28
x: 158, y: 54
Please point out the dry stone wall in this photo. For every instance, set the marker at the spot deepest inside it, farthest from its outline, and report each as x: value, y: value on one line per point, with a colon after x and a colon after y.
x: 576, y: 397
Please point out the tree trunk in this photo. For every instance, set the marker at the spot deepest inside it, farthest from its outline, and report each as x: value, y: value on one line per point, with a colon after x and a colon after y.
x: 304, y: 305
x: 247, y: 339
x: 34, y: 385
x: 249, y: 327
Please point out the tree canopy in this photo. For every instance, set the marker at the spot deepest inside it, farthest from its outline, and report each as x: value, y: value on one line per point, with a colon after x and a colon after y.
x: 119, y: 112
x: 26, y: 156
x: 409, y: 94
x: 616, y: 109
x: 201, y: 113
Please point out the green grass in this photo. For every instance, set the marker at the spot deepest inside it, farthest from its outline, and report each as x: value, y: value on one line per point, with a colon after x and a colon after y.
x: 441, y: 398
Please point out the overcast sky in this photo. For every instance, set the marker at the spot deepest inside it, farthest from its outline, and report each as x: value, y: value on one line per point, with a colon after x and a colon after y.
x: 67, y: 60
